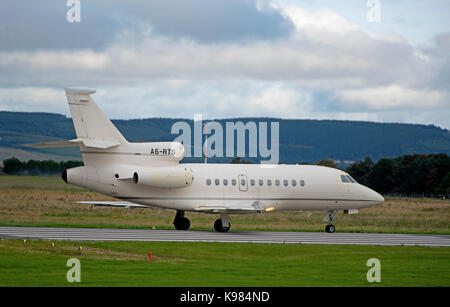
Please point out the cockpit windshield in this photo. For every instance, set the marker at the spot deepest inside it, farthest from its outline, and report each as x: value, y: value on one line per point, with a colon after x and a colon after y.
x: 347, y: 179
x: 344, y: 179
x: 351, y: 179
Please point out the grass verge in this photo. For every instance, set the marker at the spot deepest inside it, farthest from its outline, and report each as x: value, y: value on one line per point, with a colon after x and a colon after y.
x: 37, y: 263
x: 49, y: 202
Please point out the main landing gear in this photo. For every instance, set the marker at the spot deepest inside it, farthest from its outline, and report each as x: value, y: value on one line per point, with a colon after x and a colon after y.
x: 223, y: 224
x: 329, y: 218
x: 180, y: 222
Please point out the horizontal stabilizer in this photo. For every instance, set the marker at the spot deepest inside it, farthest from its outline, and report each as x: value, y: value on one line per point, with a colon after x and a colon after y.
x: 101, y: 144
x: 67, y: 143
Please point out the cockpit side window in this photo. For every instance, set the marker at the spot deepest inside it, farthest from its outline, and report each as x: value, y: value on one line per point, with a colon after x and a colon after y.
x: 344, y: 179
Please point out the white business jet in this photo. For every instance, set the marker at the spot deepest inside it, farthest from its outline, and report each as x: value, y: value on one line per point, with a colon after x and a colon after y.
x: 149, y: 175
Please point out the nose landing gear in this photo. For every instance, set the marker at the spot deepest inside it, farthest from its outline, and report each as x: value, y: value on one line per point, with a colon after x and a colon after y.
x: 329, y: 218
x: 330, y: 228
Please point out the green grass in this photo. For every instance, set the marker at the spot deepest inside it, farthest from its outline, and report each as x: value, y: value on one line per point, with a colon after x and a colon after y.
x: 36, y: 182
x: 219, y: 264
x: 49, y: 202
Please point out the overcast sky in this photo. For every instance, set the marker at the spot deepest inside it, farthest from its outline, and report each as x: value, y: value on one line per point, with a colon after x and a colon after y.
x: 319, y: 59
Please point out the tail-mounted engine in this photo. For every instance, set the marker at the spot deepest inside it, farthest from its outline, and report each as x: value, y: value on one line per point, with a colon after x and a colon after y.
x: 164, y: 177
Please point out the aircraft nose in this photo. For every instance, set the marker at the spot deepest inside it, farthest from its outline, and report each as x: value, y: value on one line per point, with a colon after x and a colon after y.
x: 372, y: 196
x: 378, y: 197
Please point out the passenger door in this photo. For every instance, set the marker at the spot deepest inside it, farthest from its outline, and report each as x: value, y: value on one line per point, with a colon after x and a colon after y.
x: 243, y: 182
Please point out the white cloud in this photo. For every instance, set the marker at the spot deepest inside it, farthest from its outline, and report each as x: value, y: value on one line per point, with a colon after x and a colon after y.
x: 29, y: 99
x: 144, y: 74
x: 339, y: 63
x: 215, y: 99
x: 84, y: 60
x: 393, y: 97
x: 323, y: 20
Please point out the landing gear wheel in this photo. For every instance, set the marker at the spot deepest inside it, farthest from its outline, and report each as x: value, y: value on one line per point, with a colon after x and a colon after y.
x: 330, y: 228
x: 329, y: 217
x: 218, y: 226
x: 180, y: 222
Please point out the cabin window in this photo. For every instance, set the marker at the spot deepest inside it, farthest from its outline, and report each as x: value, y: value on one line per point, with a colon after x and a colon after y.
x: 285, y: 183
x: 225, y: 182
x: 252, y: 182
x: 217, y: 181
x: 294, y: 183
x: 261, y: 182
x: 344, y: 179
x: 269, y: 182
x: 277, y: 183
x: 302, y: 183
x: 233, y: 182
x: 208, y: 181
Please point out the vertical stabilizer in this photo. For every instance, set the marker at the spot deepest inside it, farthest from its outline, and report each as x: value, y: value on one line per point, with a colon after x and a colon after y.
x: 89, y: 121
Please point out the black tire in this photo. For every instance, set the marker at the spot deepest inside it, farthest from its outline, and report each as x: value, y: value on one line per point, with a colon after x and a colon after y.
x: 182, y: 223
x: 330, y: 229
x: 218, y: 226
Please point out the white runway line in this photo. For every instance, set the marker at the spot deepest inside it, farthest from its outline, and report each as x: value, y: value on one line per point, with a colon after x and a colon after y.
x: 95, y: 234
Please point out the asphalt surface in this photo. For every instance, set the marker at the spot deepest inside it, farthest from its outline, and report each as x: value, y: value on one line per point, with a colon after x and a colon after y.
x: 94, y: 234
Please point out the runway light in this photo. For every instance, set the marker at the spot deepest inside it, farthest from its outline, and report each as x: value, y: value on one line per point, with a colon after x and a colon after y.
x: 270, y: 209
x: 52, y: 245
x: 149, y: 256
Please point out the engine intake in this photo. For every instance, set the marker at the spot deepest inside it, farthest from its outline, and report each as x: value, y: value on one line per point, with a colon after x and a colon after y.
x: 64, y: 176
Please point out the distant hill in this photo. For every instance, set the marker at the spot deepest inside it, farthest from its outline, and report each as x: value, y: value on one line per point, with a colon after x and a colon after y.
x: 300, y: 140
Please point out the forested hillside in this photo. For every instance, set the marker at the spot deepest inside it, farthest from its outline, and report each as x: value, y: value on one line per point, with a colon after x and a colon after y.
x: 300, y: 140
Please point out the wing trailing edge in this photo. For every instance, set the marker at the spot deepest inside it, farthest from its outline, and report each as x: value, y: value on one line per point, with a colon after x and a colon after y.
x: 121, y: 204
x: 245, y: 208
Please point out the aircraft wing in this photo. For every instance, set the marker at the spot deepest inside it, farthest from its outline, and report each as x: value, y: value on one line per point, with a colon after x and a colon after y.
x: 121, y: 204
x: 238, y: 208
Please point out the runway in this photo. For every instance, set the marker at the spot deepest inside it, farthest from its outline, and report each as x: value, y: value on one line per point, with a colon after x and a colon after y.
x: 95, y: 234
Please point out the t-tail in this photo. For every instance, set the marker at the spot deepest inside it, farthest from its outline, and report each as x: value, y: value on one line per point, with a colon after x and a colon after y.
x: 106, y: 154
x: 92, y: 127
x: 90, y: 122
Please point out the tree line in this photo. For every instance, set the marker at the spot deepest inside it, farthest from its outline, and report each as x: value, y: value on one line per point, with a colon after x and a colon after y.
x: 412, y: 174
x: 14, y: 166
